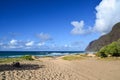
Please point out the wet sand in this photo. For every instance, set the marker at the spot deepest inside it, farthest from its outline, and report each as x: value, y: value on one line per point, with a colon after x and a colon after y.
x: 58, y: 69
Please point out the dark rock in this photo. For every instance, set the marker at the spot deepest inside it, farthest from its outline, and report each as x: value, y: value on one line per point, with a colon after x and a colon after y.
x: 16, y: 64
x: 104, y: 40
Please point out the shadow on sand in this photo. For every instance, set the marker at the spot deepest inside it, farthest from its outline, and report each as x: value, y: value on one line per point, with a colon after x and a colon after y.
x: 9, y: 67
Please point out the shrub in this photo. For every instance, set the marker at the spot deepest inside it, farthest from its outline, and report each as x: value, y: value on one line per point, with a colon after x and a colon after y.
x: 102, y: 55
x: 103, y: 50
x: 27, y: 57
x: 112, y: 49
x: 118, y: 46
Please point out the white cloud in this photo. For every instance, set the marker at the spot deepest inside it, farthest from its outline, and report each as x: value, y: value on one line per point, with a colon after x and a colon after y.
x: 41, y: 43
x: 66, y: 45
x: 79, y: 28
x: 44, y: 37
x: 30, y: 43
x: 10, y: 45
x: 13, y: 42
x: 107, y: 15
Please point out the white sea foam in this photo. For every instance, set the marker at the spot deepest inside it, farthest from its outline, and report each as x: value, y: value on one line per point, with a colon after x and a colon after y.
x: 57, y: 54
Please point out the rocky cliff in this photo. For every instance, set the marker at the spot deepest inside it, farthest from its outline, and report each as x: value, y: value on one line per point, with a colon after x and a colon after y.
x: 114, y: 35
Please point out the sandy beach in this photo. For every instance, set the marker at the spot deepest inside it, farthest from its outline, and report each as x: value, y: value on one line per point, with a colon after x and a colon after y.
x: 59, y: 69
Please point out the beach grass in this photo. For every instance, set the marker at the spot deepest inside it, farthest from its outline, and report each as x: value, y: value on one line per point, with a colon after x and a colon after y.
x: 72, y: 57
x: 7, y: 60
x: 22, y: 58
x: 27, y: 57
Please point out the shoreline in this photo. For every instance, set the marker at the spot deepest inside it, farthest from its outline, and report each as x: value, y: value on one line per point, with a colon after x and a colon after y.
x: 49, y: 68
x: 53, y: 54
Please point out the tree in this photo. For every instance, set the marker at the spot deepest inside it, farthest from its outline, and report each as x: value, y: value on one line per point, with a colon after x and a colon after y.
x: 118, y: 46
x: 102, y: 53
x: 112, y: 49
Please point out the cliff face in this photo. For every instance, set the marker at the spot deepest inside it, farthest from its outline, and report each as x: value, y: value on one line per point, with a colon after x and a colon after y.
x: 114, y: 35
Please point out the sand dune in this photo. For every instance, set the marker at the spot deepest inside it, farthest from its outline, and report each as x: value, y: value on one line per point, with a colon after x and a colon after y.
x: 58, y: 69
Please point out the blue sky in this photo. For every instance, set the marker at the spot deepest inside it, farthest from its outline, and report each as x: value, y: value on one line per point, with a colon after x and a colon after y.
x: 54, y: 24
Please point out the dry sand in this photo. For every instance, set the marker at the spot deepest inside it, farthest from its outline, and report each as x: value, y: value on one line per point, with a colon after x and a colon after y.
x: 58, y: 69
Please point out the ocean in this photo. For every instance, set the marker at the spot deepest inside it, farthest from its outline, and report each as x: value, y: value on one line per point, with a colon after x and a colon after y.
x: 7, y: 54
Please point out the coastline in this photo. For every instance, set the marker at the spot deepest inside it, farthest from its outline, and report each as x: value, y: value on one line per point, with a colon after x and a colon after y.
x: 10, y: 54
x: 49, y: 68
